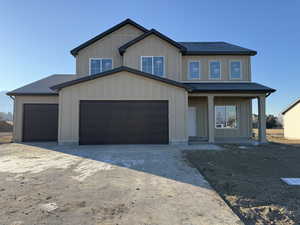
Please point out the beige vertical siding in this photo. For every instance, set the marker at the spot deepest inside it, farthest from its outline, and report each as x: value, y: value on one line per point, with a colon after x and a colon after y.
x: 107, y: 47
x: 244, y: 112
x: 225, y: 60
x: 18, y: 111
x: 155, y: 46
x: 121, y: 86
x: 292, y: 123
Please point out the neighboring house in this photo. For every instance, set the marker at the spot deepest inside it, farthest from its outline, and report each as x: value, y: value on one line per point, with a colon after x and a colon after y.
x: 291, y: 120
x: 137, y: 86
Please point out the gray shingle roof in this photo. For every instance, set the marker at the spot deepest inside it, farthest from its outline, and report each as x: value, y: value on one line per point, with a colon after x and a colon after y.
x: 42, y: 87
x: 50, y: 84
x: 229, y: 87
x: 215, y: 48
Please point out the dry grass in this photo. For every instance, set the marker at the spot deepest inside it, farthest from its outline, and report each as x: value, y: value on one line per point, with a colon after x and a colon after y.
x: 5, y: 137
x: 277, y: 136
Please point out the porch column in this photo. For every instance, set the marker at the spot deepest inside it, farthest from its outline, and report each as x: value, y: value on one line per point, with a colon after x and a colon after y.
x: 262, y: 119
x: 211, y: 119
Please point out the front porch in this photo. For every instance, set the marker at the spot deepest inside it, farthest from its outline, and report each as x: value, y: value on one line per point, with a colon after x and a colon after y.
x: 225, y: 117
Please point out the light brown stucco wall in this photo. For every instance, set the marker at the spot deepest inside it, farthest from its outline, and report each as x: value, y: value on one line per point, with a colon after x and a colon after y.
x: 107, y: 47
x: 243, y: 116
x: 154, y: 46
x: 292, y: 123
x: 18, y: 111
x: 121, y: 86
x: 225, y: 60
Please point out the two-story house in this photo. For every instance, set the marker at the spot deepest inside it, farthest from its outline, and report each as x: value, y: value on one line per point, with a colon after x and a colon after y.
x: 137, y: 86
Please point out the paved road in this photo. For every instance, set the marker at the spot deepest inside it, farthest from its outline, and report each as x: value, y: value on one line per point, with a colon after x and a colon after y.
x: 107, y: 185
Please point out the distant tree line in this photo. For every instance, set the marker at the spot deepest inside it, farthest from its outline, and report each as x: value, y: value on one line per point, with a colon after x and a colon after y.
x: 272, y: 122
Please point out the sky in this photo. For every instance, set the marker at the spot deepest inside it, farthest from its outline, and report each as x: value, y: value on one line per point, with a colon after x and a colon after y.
x: 36, y: 36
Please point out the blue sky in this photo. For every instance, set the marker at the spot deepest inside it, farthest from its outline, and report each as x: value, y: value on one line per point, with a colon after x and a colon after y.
x: 37, y: 36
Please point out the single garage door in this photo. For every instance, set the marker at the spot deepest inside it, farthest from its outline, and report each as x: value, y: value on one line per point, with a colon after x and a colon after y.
x: 40, y: 122
x: 124, y: 122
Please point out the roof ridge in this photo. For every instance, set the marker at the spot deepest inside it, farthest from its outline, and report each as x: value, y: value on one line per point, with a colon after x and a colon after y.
x: 116, y: 70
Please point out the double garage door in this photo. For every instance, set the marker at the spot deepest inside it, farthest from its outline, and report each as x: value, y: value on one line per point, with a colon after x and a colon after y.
x: 103, y: 122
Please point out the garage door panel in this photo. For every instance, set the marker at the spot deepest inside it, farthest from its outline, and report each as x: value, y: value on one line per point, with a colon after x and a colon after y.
x: 124, y: 122
x: 40, y: 122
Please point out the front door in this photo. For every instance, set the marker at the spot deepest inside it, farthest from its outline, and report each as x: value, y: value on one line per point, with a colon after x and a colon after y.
x: 192, y: 122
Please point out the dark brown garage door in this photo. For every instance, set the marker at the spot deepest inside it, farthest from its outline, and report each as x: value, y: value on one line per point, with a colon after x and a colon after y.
x: 124, y: 122
x: 40, y: 122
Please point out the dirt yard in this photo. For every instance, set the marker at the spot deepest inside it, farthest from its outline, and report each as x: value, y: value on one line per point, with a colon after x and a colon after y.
x: 248, y: 179
x: 47, y: 184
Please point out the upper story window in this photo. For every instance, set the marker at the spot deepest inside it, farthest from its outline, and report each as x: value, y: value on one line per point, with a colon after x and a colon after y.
x: 98, y: 65
x: 225, y: 116
x: 235, y: 70
x: 215, y: 70
x: 194, y: 70
x: 153, y: 64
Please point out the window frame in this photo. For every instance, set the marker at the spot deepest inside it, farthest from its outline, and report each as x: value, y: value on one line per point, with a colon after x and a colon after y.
x: 145, y: 56
x: 90, y: 64
x: 241, y: 69
x: 236, y: 115
x: 209, y: 70
x: 200, y: 70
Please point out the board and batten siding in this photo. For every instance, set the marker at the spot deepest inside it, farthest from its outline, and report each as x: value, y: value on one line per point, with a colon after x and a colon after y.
x: 121, y: 86
x: 225, y: 64
x: 107, y: 47
x: 18, y: 111
x: 291, y: 121
x: 244, y: 119
x: 155, y: 46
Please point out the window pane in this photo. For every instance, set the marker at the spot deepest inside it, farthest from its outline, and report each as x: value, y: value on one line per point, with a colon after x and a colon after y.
x: 158, y: 63
x: 147, y: 64
x: 215, y: 70
x: 235, y: 70
x: 106, y: 64
x: 226, y: 116
x: 220, y: 116
x: 231, y: 116
x: 194, y: 70
x: 95, y: 66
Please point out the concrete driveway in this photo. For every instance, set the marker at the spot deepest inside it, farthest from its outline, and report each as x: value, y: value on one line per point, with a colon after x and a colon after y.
x: 107, y: 185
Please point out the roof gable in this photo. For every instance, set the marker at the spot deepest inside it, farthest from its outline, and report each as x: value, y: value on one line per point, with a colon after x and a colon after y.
x: 75, y: 51
x: 116, y: 70
x: 291, y: 106
x: 123, y: 48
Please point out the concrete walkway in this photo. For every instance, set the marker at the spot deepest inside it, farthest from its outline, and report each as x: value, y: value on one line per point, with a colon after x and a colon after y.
x: 107, y: 185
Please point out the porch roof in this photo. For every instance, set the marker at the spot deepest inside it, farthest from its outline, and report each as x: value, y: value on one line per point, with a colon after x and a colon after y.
x: 229, y: 87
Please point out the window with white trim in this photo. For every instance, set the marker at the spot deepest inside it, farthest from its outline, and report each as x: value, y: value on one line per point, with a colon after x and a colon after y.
x: 98, y: 65
x: 153, y: 64
x: 235, y: 70
x: 225, y: 116
x: 194, y: 70
x: 215, y: 70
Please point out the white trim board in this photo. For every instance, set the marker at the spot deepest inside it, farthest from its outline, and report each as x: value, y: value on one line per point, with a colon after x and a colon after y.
x: 291, y: 181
